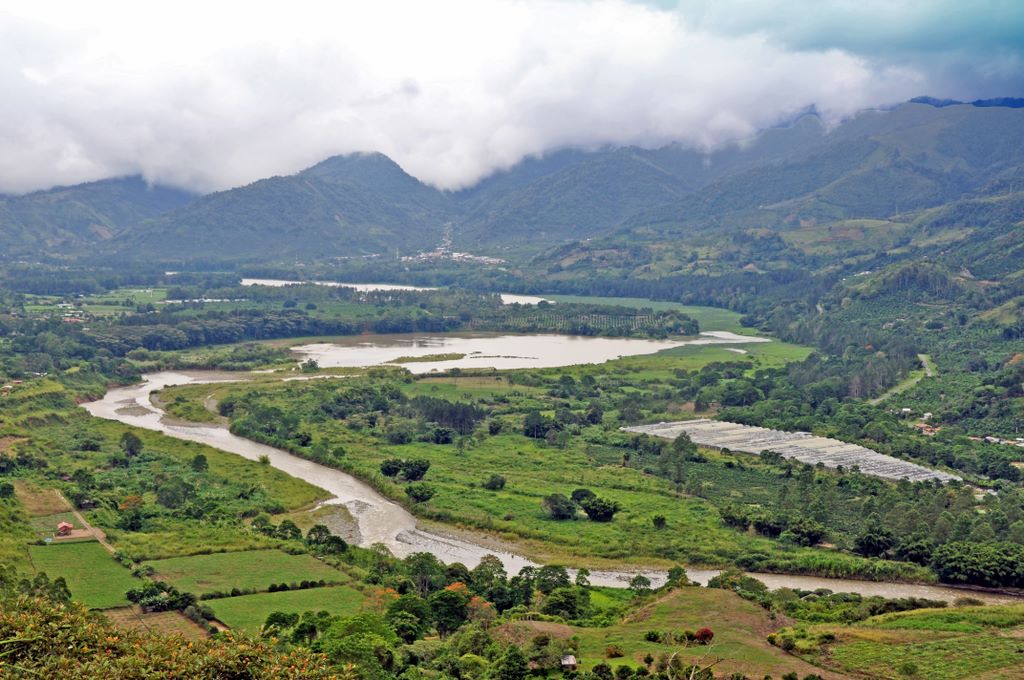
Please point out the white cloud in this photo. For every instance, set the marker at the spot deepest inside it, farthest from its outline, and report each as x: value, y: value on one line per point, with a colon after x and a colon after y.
x: 212, y: 95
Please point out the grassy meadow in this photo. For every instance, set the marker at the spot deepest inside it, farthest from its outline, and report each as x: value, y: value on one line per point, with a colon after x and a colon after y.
x: 939, y: 644
x: 247, y: 570
x: 740, y: 629
x: 92, y: 574
x: 248, y: 612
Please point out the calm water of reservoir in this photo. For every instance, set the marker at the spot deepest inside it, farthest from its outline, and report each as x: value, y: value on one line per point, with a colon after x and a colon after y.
x: 495, y: 351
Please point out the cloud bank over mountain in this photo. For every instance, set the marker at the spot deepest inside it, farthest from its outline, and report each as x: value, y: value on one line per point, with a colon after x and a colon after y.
x: 207, y: 96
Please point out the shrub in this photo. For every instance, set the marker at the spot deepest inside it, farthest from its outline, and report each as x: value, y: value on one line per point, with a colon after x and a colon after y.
x: 559, y: 507
x: 495, y: 483
x: 614, y: 652
x: 391, y: 467
x: 420, y: 492
x: 599, y: 509
x: 653, y: 636
x: 704, y: 636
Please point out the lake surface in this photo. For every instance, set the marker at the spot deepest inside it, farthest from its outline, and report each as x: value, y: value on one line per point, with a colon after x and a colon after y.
x: 384, y: 521
x: 495, y: 351
x: 506, y: 298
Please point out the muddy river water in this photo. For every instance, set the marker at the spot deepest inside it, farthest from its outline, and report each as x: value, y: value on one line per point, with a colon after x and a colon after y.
x: 383, y: 521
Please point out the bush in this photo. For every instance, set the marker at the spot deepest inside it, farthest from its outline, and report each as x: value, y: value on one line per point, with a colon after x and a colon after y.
x: 420, y: 492
x: 391, y: 467
x: 599, y: 509
x: 614, y: 652
x: 653, y: 636
x: 495, y: 483
x: 559, y: 507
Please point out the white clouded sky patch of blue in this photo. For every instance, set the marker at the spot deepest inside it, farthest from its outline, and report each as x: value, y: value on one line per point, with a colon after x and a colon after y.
x: 972, y: 48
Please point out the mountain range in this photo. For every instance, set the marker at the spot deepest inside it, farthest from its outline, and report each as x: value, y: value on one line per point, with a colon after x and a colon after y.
x: 908, y: 165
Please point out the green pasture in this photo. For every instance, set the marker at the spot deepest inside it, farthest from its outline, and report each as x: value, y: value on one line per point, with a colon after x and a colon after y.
x: 248, y: 612
x: 250, y: 569
x: 93, y: 576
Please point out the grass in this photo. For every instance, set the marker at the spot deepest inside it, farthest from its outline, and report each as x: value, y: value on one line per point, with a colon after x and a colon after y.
x: 252, y: 569
x: 450, y: 356
x: 709, y: 318
x: 291, y: 492
x: 38, y: 501
x: 740, y: 629
x: 178, y: 540
x: 93, y: 576
x: 248, y: 612
x: 944, y: 644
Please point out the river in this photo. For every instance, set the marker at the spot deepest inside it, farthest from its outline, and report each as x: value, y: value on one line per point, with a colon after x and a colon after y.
x: 381, y: 520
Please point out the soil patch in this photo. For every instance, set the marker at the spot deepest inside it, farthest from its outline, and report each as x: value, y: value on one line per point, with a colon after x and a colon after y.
x: 40, y: 502
x: 164, y: 623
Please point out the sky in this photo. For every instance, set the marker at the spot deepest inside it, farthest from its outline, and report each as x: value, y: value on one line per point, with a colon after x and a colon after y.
x: 215, y: 94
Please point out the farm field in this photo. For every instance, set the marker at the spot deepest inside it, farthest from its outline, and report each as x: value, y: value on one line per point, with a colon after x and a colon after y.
x: 165, y: 623
x: 251, y: 569
x: 93, y: 576
x: 941, y: 644
x: 248, y: 612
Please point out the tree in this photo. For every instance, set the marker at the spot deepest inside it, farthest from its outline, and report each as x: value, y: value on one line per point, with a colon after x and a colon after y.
x: 535, y: 425
x: 413, y: 614
x: 419, y: 492
x: 559, y: 507
x: 489, y: 573
x: 280, y: 620
x: 287, y: 530
x: 426, y: 572
x: 199, y: 463
x: 550, y: 577
x: 317, y: 535
x: 672, y: 462
x: 173, y: 493
x: 564, y: 602
x: 659, y: 521
x: 805, y: 532
x: 874, y: 542
x: 512, y: 665
x: 704, y: 636
x: 449, y: 610
x: 6, y: 490
x: 599, y: 509
x: 640, y: 585
x: 677, y: 576
x: 131, y: 445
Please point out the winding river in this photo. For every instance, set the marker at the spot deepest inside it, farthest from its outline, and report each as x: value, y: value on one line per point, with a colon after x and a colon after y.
x: 381, y: 520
